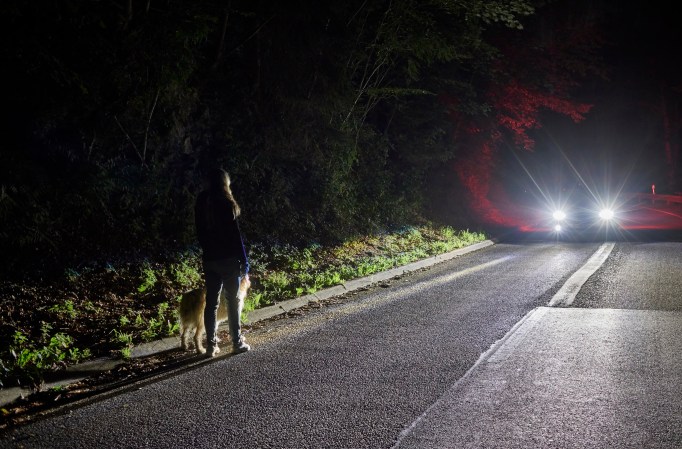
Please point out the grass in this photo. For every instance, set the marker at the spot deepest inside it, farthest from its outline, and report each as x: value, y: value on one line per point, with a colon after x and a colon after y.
x: 284, y: 271
x: 108, y: 310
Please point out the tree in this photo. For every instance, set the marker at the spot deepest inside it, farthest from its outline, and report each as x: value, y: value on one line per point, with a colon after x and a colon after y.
x: 534, y: 73
x: 330, y: 117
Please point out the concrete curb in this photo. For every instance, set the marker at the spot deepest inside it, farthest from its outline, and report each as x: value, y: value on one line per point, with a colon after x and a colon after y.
x: 78, y: 372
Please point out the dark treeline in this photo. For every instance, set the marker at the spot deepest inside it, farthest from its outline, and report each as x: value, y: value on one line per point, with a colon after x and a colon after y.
x: 333, y: 118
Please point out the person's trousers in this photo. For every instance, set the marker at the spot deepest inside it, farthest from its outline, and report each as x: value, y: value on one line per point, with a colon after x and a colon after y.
x: 219, y: 274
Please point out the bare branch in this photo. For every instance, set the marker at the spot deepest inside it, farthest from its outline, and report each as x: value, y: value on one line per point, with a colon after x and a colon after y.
x: 149, y: 121
x: 221, y: 42
x: 129, y: 139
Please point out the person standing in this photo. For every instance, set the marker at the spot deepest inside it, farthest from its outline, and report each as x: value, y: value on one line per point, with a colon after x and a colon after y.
x: 223, y: 255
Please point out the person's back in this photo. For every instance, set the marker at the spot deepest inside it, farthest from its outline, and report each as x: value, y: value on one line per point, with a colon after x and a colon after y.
x: 224, y: 257
x: 217, y: 228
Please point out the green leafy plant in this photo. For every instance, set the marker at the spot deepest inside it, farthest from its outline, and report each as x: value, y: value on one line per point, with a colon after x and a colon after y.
x: 172, y: 327
x: 447, y: 232
x: 125, y: 343
x: 185, y: 271
x: 161, y: 309
x: 164, y: 323
x: 123, y: 338
x: 148, y: 278
x: 152, y: 330
x: 77, y: 354
x: 276, y: 282
x: 89, y: 306
x: 251, y: 302
x: 30, y: 360
x: 65, y: 309
x: 290, y: 272
x: 139, y: 321
x: 125, y: 352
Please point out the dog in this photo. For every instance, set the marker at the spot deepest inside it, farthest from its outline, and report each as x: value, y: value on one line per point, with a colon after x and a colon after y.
x: 191, y: 311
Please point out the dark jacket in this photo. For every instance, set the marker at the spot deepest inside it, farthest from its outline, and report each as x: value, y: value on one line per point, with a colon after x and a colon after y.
x: 217, y: 229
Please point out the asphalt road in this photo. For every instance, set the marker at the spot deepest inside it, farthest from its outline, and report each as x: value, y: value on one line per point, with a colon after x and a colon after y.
x: 465, y: 354
x: 601, y: 370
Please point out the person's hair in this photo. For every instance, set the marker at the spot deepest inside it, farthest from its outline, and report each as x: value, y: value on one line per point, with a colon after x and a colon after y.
x: 219, y: 183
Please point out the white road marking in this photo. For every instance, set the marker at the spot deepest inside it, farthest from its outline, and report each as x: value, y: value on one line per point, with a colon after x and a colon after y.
x: 501, y: 349
x: 568, y: 292
x: 534, y: 316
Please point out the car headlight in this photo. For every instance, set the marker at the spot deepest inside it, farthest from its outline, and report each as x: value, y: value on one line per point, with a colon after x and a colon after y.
x: 559, y: 215
x: 606, y: 214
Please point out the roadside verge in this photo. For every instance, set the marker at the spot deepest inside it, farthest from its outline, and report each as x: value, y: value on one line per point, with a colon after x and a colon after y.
x: 78, y: 372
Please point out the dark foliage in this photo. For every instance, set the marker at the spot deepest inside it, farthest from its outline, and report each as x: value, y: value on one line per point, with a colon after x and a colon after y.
x: 329, y: 117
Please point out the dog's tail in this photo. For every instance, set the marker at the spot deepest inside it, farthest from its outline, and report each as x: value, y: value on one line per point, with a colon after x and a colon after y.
x: 244, y: 286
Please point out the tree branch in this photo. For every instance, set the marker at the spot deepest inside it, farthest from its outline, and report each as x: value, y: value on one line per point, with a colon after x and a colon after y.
x: 149, y: 121
x: 129, y: 139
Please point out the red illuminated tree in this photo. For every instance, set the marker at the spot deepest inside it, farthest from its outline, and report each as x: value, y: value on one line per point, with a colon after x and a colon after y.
x: 531, y: 78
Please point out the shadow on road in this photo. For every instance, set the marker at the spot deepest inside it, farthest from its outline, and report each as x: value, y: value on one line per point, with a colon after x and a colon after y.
x: 516, y: 236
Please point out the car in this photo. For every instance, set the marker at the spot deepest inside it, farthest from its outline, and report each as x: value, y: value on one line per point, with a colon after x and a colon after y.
x: 580, y: 212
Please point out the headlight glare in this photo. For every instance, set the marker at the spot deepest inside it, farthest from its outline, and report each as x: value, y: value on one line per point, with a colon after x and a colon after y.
x: 559, y: 215
x: 606, y: 214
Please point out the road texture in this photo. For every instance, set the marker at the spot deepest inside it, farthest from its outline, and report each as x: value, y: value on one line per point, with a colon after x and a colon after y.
x: 604, y: 372
x: 646, y: 276
x: 465, y: 354
x: 567, y: 378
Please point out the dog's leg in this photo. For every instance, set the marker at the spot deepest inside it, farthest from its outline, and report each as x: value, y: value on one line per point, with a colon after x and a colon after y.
x: 184, y: 338
x: 198, y: 336
x: 244, y: 286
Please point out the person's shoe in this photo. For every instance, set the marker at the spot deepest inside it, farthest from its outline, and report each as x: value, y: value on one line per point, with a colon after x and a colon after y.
x: 240, y: 346
x: 212, y: 351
